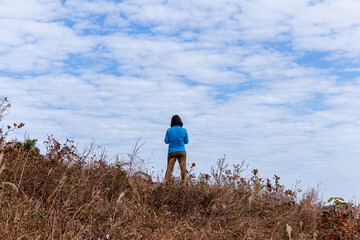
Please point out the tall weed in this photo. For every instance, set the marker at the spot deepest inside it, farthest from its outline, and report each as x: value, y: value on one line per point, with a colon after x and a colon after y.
x: 67, y: 194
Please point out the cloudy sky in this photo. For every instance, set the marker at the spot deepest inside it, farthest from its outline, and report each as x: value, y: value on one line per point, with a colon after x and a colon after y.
x: 273, y: 82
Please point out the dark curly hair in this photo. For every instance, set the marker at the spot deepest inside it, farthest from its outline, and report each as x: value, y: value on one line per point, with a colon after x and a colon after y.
x: 176, y: 120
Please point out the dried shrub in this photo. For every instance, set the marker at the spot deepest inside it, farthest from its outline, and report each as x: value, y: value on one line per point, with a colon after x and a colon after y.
x: 64, y: 194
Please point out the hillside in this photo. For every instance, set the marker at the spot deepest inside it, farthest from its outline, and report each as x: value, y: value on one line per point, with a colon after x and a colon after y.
x: 65, y: 194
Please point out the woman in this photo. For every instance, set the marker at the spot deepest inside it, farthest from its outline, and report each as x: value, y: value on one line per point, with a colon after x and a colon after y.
x: 176, y: 137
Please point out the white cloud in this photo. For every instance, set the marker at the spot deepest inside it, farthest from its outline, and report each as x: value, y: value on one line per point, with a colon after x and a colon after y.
x: 328, y: 26
x: 38, y: 10
x: 38, y: 46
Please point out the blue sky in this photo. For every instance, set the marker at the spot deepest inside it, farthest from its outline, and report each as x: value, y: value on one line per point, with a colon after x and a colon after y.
x: 273, y: 82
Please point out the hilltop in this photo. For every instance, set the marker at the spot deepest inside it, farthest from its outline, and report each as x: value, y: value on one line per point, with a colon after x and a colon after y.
x: 65, y: 194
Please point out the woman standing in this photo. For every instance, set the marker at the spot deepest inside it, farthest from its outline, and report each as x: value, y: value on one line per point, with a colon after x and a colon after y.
x: 176, y: 137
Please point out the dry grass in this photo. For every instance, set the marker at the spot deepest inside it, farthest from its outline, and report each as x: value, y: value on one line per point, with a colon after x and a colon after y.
x: 64, y: 195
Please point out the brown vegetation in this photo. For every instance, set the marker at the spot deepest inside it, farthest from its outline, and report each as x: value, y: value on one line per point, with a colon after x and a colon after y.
x: 63, y: 194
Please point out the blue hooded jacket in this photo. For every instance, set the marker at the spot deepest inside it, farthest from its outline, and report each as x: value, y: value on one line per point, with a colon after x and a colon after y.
x: 176, y: 137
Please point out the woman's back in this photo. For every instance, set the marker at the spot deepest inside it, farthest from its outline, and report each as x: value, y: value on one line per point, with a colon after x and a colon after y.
x: 176, y: 137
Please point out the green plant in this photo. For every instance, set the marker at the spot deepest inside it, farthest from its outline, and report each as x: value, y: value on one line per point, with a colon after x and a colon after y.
x: 339, y: 202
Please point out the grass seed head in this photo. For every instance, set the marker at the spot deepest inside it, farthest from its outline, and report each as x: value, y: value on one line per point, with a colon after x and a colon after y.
x: 71, y: 164
x: 288, y: 230
x: 122, y: 194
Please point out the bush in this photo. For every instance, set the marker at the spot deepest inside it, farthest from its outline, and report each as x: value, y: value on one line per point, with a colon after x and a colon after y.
x: 63, y: 194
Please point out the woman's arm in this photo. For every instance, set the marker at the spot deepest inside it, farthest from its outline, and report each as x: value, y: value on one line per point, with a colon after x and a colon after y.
x: 166, y: 138
x: 186, y: 140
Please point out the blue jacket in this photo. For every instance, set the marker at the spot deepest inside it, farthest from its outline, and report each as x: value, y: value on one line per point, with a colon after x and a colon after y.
x: 176, y: 137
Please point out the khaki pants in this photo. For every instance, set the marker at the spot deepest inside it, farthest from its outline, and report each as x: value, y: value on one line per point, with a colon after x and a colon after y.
x: 181, y: 156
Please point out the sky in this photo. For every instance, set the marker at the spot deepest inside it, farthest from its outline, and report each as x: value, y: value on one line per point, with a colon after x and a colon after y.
x: 275, y: 83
